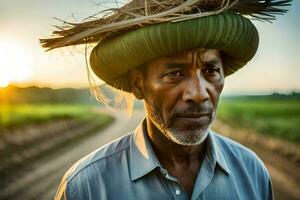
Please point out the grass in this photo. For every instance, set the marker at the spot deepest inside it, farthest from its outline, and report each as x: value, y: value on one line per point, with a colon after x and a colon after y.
x: 274, y: 117
x: 13, y: 116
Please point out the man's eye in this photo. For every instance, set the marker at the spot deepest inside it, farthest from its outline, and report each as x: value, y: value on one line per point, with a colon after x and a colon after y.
x: 174, y: 74
x: 173, y: 77
x: 212, y: 70
x: 211, y: 73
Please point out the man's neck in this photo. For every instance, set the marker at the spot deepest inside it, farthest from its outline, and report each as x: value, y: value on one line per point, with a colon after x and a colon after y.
x: 182, y: 162
x: 172, y: 154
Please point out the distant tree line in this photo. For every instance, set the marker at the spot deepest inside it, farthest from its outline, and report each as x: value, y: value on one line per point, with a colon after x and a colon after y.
x: 275, y: 95
x: 48, y: 95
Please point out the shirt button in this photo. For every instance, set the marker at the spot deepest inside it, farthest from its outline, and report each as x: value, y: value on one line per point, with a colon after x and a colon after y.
x: 177, y: 192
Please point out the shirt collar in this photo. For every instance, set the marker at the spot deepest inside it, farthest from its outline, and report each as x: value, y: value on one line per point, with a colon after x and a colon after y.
x: 143, y: 159
x: 215, y: 153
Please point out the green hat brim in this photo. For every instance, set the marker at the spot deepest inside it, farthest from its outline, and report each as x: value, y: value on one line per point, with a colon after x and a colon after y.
x: 229, y: 32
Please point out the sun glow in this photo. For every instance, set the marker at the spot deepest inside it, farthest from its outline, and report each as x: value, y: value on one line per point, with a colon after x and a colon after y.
x: 15, y: 63
x: 4, y: 83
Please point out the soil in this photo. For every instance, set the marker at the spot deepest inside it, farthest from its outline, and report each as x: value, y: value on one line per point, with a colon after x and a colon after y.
x: 40, y: 179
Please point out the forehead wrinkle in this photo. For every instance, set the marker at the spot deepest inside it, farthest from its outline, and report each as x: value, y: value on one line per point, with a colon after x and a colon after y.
x: 175, y: 64
x: 194, y: 56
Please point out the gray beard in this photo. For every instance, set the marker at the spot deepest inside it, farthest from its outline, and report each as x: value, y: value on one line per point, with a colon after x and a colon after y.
x: 185, y: 138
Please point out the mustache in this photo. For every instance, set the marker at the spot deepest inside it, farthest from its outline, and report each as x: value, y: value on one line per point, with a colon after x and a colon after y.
x: 193, y: 110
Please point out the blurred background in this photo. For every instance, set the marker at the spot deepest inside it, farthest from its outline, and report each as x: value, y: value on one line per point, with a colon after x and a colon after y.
x: 48, y: 118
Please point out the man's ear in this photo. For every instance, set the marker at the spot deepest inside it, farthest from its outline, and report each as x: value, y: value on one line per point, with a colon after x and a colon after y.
x: 137, y: 83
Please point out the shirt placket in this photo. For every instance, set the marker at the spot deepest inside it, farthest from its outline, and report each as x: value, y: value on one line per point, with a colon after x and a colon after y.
x: 174, y: 186
x: 204, y: 178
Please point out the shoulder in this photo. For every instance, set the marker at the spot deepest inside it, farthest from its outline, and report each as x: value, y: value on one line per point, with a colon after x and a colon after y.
x: 230, y: 146
x: 98, y: 158
x: 246, y: 168
x: 240, y: 157
x: 89, y: 173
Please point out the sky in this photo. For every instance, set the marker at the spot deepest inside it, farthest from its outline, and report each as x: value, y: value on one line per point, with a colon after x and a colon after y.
x: 275, y: 67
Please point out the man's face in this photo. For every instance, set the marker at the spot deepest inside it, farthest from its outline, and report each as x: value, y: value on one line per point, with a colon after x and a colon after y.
x: 181, y: 94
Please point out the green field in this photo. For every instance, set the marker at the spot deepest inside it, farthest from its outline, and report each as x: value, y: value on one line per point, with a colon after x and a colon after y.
x: 275, y: 117
x: 12, y: 116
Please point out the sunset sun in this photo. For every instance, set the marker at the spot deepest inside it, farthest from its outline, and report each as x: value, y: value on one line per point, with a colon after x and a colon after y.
x: 15, y: 63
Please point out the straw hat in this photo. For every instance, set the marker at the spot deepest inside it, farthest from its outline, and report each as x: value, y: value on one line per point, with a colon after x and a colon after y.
x: 143, y: 30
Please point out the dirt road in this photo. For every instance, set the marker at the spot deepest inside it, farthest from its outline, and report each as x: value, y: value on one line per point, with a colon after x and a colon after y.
x: 41, y: 179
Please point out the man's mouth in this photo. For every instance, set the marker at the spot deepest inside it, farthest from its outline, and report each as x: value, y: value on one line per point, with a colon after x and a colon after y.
x: 194, y: 118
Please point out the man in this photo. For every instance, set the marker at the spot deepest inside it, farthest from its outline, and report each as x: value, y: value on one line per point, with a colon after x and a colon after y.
x: 177, y: 68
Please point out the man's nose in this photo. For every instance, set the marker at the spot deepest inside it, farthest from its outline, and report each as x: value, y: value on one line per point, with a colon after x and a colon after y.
x: 196, y: 90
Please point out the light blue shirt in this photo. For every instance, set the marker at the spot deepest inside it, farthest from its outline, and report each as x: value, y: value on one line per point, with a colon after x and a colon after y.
x: 128, y: 168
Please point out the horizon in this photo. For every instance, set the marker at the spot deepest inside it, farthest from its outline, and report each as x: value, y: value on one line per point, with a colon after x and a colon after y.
x: 273, y: 69
x: 266, y: 93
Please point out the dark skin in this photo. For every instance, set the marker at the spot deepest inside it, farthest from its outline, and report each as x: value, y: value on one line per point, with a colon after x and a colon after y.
x: 172, y: 87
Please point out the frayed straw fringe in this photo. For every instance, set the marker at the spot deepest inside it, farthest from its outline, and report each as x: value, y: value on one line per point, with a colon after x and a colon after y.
x: 138, y: 13
x: 122, y: 100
